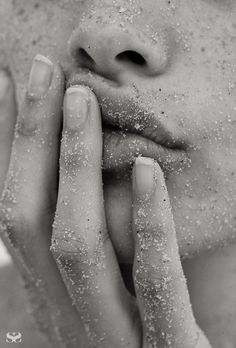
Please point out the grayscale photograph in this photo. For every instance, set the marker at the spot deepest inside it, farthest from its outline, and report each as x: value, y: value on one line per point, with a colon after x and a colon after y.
x: 118, y: 173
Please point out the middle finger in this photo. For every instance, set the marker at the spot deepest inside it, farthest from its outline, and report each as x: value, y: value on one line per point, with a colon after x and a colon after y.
x: 81, y: 245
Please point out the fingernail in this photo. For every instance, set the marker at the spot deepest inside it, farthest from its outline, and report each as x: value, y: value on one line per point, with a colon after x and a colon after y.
x: 76, y: 106
x: 40, y: 76
x: 4, y: 84
x: 144, y: 177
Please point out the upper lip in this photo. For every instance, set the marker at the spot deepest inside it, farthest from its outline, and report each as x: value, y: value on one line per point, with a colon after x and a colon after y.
x: 122, y: 112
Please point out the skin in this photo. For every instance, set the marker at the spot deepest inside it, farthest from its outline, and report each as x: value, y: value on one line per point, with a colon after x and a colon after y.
x: 198, y: 98
x: 161, y: 314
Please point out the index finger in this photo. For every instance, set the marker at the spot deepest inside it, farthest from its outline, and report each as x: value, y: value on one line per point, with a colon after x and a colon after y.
x: 158, y: 276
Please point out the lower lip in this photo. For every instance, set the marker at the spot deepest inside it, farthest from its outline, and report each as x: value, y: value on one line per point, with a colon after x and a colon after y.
x: 121, y: 149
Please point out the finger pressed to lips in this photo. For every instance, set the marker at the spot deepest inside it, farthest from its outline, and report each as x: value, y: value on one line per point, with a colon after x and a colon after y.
x: 80, y: 242
x: 158, y: 276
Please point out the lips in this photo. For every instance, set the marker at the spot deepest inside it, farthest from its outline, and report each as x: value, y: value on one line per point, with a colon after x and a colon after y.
x: 130, y: 129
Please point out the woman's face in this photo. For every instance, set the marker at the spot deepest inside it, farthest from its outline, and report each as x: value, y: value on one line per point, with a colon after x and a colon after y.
x: 164, y: 73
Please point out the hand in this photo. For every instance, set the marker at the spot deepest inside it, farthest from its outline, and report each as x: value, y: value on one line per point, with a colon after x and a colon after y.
x: 81, y: 246
x: 28, y: 201
x: 162, y: 315
x: 84, y: 252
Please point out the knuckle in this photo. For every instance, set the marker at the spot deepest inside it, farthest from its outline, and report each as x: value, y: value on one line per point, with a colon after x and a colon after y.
x: 69, y: 247
x: 67, y: 254
x: 149, y: 281
x: 26, y: 127
x: 65, y: 246
x: 10, y: 223
x: 74, y: 154
x: 152, y: 233
x: 15, y: 222
x: 156, y: 280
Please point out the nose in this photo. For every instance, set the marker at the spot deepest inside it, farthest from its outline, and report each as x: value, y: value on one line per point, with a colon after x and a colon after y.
x: 115, y: 52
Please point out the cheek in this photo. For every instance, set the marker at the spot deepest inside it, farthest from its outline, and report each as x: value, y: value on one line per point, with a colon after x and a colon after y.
x: 204, y: 200
x: 213, y: 122
x: 30, y: 30
x: 205, y: 112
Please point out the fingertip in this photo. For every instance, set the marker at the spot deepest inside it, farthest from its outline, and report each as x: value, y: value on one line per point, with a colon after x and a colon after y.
x: 140, y: 160
x: 143, y: 177
x: 159, y: 178
x: 46, y: 78
x: 147, y: 176
x: 82, y: 114
x: 76, y: 105
x: 86, y: 91
x: 151, y: 204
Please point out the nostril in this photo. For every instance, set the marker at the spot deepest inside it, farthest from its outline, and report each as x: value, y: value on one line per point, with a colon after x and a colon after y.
x: 85, y: 59
x: 131, y: 57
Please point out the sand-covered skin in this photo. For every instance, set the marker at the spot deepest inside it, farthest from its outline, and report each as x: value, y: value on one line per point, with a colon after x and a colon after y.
x: 193, y: 96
